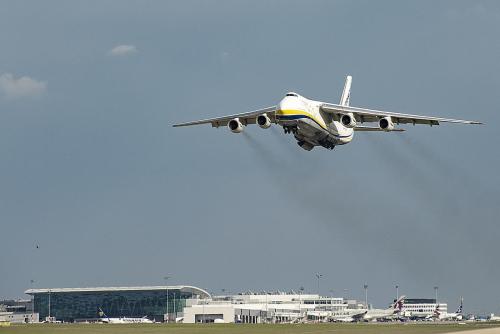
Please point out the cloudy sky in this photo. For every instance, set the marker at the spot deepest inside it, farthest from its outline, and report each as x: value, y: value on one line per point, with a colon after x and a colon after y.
x: 92, y: 172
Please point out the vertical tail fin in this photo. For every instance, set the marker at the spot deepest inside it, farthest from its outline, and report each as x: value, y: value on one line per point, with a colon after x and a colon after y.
x: 397, y: 307
x: 461, y: 306
x: 101, y: 313
x: 346, y: 93
x: 437, y: 312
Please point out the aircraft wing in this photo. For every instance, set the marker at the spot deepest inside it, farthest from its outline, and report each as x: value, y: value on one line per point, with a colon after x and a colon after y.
x: 373, y: 128
x: 245, y: 118
x: 359, y: 316
x: 369, y: 115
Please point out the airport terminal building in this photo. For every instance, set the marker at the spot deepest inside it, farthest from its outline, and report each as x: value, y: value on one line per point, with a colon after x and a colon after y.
x: 181, y: 303
x: 189, y: 304
x: 78, y: 304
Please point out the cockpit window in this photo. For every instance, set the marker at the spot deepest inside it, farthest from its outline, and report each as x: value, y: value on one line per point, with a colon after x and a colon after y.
x: 291, y: 94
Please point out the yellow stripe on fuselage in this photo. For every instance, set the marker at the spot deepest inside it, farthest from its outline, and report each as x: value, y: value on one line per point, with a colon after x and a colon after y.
x: 296, y: 112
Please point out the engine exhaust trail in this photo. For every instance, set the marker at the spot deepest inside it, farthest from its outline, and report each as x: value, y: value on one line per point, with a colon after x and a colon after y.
x: 426, y: 153
x: 452, y: 177
x: 266, y: 158
x: 304, y: 190
x: 283, y: 140
x: 430, y: 193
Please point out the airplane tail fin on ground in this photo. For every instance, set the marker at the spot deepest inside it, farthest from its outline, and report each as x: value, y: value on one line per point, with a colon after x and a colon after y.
x: 101, y: 313
x: 398, y: 304
x: 346, y: 93
x: 461, y: 306
x: 437, y: 311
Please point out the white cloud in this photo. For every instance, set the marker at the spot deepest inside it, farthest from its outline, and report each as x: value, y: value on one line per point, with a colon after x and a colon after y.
x: 122, y: 50
x: 13, y: 88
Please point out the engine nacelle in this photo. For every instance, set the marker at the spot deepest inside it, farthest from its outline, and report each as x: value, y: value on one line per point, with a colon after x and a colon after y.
x: 263, y: 121
x: 386, y: 124
x: 348, y: 120
x: 235, y: 125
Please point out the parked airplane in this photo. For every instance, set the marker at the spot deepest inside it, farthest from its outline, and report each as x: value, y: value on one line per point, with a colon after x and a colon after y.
x: 381, y: 314
x: 122, y: 320
x: 315, y: 123
x: 439, y: 315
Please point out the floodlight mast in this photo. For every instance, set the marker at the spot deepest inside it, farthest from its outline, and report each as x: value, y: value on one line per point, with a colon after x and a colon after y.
x: 49, y: 307
x: 319, y: 276
x: 366, y: 294
x: 166, y: 287
x: 32, y: 302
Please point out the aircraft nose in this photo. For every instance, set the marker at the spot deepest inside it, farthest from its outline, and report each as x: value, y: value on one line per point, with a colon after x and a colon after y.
x: 289, y: 104
x: 280, y: 106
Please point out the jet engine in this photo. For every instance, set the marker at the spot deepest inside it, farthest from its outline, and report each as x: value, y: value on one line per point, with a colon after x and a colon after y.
x: 386, y: 124
x: 348, y: 120
x: 235, y: 125
x: 263, y: 121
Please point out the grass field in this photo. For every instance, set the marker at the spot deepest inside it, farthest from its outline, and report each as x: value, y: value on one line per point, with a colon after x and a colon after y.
x: 241, y: 329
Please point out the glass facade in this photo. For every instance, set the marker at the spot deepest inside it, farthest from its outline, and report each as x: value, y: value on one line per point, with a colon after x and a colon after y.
x: 76, y: 305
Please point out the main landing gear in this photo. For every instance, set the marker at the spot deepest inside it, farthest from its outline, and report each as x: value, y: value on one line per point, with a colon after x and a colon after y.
x: 326, y: 144
x: 290, y: 129
x: 305, y: 145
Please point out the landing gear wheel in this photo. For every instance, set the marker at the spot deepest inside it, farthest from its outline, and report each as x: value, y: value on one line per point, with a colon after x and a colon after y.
x: 290, y: 129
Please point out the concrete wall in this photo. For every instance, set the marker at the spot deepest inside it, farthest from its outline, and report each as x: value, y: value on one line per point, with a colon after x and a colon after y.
x: 208, y: 313
x: 18, y: 318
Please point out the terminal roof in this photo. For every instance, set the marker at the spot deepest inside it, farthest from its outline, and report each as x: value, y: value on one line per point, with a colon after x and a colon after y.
x: 183, y: 288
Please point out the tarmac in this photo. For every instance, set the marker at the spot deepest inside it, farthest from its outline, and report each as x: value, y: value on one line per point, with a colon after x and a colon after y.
x: 481, y: 331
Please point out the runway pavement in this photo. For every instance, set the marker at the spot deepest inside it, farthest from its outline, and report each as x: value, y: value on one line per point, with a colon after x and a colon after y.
x: 495, y: 330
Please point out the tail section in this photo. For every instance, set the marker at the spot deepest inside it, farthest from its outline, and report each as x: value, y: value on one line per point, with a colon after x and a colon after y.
x: 397, y: 307
x: 101, y: 313
x: 102, y: 316
x: 437, y: 312
x: 346, y: 93
x: 461, y: 306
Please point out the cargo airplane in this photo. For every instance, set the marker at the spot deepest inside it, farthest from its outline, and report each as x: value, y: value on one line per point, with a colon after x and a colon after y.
x: 315, y: 123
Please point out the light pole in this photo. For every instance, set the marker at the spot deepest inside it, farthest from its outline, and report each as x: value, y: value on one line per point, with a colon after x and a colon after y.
x: 267, y: 306
x: 175, y: 310
x: 319, y: 276
x: 50, y: 320
x: 203, y: 317
x: 301, y: 291
x: 366, y: 294
x: 397, y: 292
x: 345, y: 293
x: 436, y: 293
x: 32, y: 302
x: 166, y: 288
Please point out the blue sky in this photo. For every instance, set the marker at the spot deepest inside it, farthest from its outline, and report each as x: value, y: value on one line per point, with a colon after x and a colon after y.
x: 92, y: 171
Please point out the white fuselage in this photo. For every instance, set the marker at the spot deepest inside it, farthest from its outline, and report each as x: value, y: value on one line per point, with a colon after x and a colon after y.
x: 126, y: 320
x: 378, y: 314
x: 313, y: 126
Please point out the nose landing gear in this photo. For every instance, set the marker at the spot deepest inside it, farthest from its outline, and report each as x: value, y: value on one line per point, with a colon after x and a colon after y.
x: 290, y: 129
